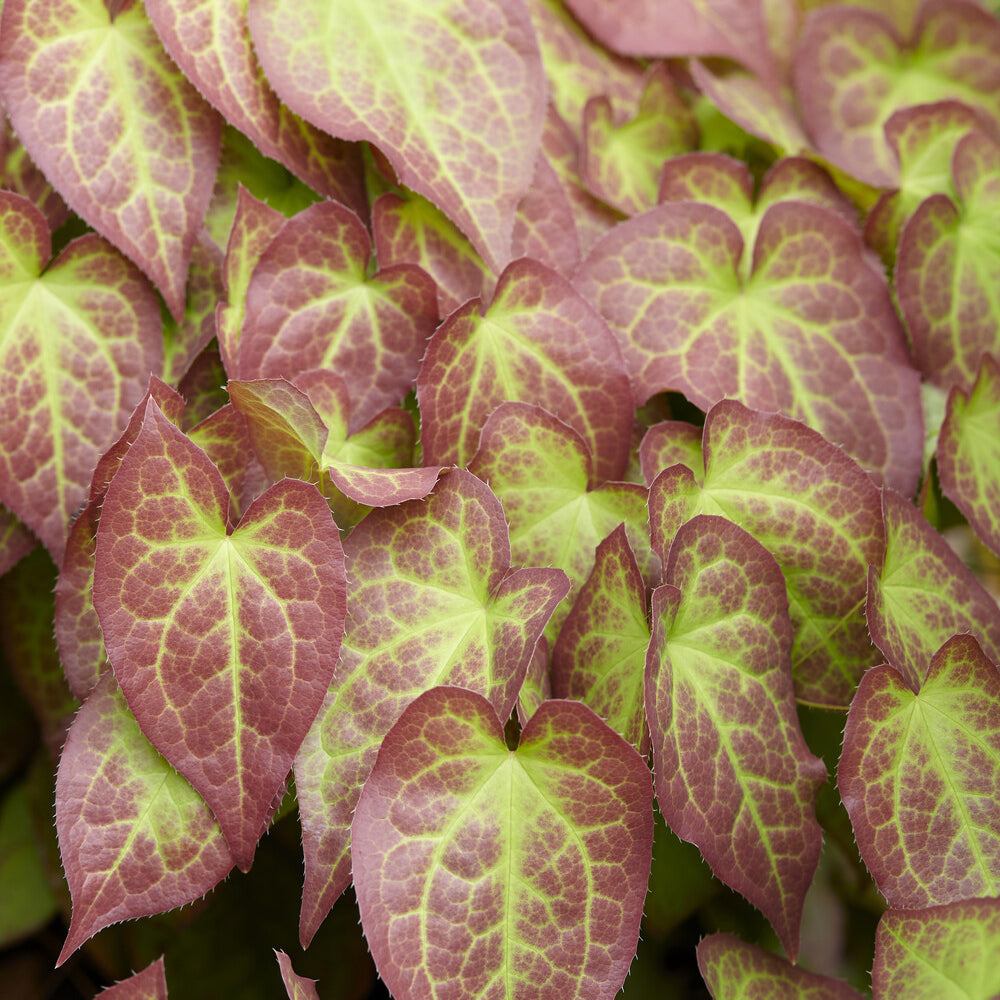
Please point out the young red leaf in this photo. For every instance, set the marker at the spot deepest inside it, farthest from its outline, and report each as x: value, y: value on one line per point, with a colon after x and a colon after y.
x: 484, y: 872
x: 540, y: 342
x: 853, y: 70
x: 735, y: 970
x: 968, y: 453
x: 432, y: 601
x: 920, y: 778
x: 600, y: 656
x: 210, y: 41
x: 135, y: 838
x: 150, y: 984
x: 814, y: 509
x: 452, y: 91
x: 733, y: 772
x: 122, y: 135
x: 77, y: 346
x: 223, y: 639
x: 810, y: 330
x: 310, y: 305
x: 942, y: 951
x: 297, y: 987
x: 923, y: 595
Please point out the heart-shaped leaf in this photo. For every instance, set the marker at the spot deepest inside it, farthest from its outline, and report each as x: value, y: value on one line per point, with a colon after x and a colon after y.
x: 920, y: 778
x: 223, y: 639
x: 77, y: 346
x: 122, y: 135
x: 968, y: 453
x: 134, y: 836
x: 452, y: 91
x: 531, y: 864
x: 432, y: 601
x: 733, y: 772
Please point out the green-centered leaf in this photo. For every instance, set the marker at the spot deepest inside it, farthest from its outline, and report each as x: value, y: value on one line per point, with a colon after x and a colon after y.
x: 484, y: 872
x: 968, y: 453
x: 542, y: 472
x: 735, y: 970
x: 120, y: 133
x: 150, y: 984
x: 733, y: 772
x: 920, y: 777
x: 668, y: 443
x: 210, y: 41
x: 452, y: 91
x: 923, y: 595
x: 134, y: 836
x: 538, y: 341
x: 809, y: 331
x: 853, y: 70
x: 297, y: 987
x: 600, y: 655
x: 814, y: 509
x: 432, y: 600
x: 223, y: 638
x: 310, y: 305
x: 623, y: 156
x: 77, y: 346
x: 948, y: 268
x: 947, y: 952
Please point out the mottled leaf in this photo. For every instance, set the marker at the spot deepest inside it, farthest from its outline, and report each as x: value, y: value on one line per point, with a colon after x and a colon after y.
x: 150, y: 984
x: 485, y: 872
x: 735, y: 970
x: 920, y: 778
x: 20, y: 175
x: 853, y: 70
x: 297, y: 987
x: 968, y: 453
x: 135, y: 838
x: 600, y: 655
x: 815, y: 510
x: 538, y: 341
x: 671, y: 442
x: 223, y: 638
x: 432, y: 601
x: 537, y: 686
x: 923, y: 595
x: 810, y: 331
x: 210, y: 41
x: 122, y: 135
x: 541, y: 470
x: 947, y: 952
x: 77, y: 346
x: 310, y: 305
x: 948, y: 268
x: 544, y: 226
x: 733, y: 772
x: 452, y: 91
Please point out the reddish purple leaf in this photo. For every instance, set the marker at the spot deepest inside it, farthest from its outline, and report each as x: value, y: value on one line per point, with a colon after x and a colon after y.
x: 210, y: 41
x: 968, y: 453
x: 923, y: 595
x: 135, y: 838
x: 122, y: 135
x: 297, y: 987
x: 668, y: 443
x: 432, y: 601
x: 920, y: 778
x: 16, y: 541
x: 810, y: 330
x: 853, y: 70
x: 223, y: 639
x: 452, y: 92
x: 544, y: 228
x: 310, y: 305
x: 733, y: 773
x: 485, y: 872
x: 735, y: 970
x: 600, y: 656
x: 79, y: 343
x: 150, y: 984
x: 20, y: 175
x: 538, y: 341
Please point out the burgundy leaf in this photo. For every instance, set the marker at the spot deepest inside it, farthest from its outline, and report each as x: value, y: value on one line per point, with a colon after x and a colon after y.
x: 297, y: 987
x: 150, y: 984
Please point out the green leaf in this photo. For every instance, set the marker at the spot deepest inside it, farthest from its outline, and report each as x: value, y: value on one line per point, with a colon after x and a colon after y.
x: 486, y: 872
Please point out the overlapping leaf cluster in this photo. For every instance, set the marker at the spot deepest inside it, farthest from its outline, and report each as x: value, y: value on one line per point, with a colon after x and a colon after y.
x: 434, y: 417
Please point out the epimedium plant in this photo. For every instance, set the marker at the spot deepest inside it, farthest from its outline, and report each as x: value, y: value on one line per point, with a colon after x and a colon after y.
x: 514, y: 438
